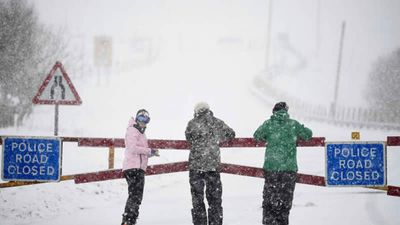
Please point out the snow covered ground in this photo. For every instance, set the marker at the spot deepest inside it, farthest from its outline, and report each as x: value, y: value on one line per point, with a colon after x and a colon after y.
x: 169, y: 88
x: 167, y: 197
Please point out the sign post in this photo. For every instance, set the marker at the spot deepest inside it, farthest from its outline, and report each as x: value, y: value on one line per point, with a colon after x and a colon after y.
x: 356, y: 164
x: 56, y: 120
x: 31, y: 159
x: 61, y: 91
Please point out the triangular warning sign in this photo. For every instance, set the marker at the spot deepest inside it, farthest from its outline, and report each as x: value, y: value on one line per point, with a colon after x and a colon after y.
x: 57, y: 88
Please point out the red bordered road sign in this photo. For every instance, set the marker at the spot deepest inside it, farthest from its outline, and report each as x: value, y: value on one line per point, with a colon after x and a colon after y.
x: 57, y: 89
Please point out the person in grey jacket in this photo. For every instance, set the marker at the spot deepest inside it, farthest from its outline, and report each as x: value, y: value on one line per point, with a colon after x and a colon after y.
x: 204, y: 133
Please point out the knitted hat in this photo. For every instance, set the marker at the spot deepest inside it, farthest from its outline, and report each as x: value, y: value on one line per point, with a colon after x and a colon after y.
x: 280, y: 106
x: 201, y: 106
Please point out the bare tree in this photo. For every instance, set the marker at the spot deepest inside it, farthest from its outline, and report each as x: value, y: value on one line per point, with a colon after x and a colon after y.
x: 28, y: 49
x: 384, y: 84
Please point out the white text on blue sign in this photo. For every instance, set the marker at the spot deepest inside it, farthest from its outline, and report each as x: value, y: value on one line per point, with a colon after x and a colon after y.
x: 31, y: 159
x: 361, y: 164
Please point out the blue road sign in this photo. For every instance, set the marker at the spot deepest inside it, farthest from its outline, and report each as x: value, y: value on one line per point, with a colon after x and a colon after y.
x: 31, y: 159
x: 356, y: 164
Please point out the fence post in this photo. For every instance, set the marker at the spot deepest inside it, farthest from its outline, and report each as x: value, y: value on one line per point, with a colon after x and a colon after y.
x: 111, y: 153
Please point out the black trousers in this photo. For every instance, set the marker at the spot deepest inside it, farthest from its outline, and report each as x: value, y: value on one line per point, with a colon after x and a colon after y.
x: 210, y: 180
x: 135, y: 180
x: 278, y: 196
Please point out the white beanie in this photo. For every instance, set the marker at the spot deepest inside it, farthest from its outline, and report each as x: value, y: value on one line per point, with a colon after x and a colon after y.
x: 201, y: 106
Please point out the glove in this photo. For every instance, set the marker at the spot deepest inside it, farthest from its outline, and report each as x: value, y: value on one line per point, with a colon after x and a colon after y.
x: 154, y: 152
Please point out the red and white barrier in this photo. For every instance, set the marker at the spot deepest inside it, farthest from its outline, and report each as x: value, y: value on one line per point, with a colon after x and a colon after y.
x: 112, y: 143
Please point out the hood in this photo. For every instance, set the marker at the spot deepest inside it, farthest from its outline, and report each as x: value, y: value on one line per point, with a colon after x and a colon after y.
x: 203, y: 112
x: 131, y: 122
x: 280, y: 115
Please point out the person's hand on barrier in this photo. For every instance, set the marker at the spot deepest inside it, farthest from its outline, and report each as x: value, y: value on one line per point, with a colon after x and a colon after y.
x: 154, y: 152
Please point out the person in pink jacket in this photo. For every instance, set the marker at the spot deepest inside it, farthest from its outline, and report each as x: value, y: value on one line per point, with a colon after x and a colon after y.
x: 137, y: 153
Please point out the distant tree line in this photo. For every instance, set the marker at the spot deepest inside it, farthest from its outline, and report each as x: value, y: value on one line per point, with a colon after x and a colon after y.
x: 383, y: 89
x: 28, y: 50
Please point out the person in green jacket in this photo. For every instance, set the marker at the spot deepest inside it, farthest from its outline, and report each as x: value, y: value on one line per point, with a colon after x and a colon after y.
x: 280, y: 163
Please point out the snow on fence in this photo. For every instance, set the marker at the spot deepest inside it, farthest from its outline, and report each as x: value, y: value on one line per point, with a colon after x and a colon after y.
x: 112, y: 173
x: 349, y: 116
x: 339, y: 114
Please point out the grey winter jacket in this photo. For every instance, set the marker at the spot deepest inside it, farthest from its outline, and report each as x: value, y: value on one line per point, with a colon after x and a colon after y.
x: 204, y: 133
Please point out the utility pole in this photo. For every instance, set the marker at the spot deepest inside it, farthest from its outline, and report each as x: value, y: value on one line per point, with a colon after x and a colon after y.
x: 336, y: 91
x: 318, y: 28
x: 268, y: 45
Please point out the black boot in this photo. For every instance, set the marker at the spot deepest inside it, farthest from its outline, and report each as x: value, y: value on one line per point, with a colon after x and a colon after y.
x: 215, y: 216
x: 199, y: 217
x: 127, y: 221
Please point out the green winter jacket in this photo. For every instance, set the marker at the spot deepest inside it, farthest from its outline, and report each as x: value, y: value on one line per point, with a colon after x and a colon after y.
x: 281, y: 134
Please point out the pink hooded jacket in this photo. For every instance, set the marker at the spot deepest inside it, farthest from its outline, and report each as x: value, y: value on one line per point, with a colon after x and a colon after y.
x: 137, y: 150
